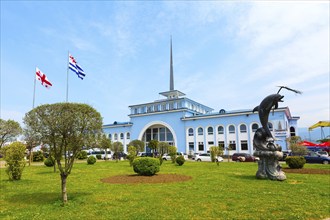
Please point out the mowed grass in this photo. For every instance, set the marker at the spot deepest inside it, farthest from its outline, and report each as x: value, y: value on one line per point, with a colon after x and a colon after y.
x: 228, y: 191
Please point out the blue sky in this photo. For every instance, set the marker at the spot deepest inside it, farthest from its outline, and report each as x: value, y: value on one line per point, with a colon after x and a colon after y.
x: 226, y: 55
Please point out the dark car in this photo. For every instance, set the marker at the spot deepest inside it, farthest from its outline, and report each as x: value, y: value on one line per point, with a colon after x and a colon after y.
x: 119, y: 156
x: 313, y: 157
x: 244, y: 157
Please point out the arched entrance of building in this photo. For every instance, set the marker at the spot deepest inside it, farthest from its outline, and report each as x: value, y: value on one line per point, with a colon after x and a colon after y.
x: 158, y: 130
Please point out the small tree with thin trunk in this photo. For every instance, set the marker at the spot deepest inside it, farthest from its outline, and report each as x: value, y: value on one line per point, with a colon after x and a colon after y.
x: 117, y: 148
x: 8, y: 130
x: 139, y: 145
x: 172, y: 151
x: 32, y: 139
x: 153, y: 146
x: 66, y: 127
x: 162, y: 148
x: 131, y: 154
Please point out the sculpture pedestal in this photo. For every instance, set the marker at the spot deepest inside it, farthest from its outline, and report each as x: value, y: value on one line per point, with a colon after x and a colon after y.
x: 268, y: 166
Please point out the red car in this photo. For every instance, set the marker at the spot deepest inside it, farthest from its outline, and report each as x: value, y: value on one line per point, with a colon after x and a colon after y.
x: 244, y: 157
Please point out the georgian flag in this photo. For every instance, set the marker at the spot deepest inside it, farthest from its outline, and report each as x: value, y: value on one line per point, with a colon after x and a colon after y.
x: 73, y: 65
x: 43, y: 78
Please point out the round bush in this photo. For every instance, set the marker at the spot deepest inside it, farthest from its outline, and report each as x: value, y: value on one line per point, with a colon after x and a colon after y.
x: 146, y: 166
x: 91, y: 160
x: 49, y: 162
x: 99, y: 156
x: 38, y: 156
x: 82, y: 155
x: 180, y: 160
x: 295, y: 162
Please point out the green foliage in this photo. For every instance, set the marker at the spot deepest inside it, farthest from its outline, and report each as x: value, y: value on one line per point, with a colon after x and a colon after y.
x: 146, y: 166
x: 15, y: 162
x: 162, y: 148
x: 139, y: 145
x: 50, y: 161
x: 117, y: 148
x: 131, y: 154
x: 180, y: 160
x: 99, y: 156
x: 172, y: 152
x: 295, y: 162
x: 153, y: 145
x: 91, y: 160
x: 8, y: 130
x: 295, y: 147
x: 82, y: 155
x: 38, y: 156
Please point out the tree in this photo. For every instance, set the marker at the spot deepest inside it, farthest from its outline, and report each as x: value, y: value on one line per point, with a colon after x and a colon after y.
x: 296, y: 148
x: 139, y: 145
x: 104, y: 143
x: 153, y: 146
x: 172, y: 152
x: 8, y: 130
x: 117, y: 148
x: 66, y: 127
x: 162, y: 148
x: 131, y: 154
x: 216, y: 151
x: 15, y: 162
x: 32, y: 139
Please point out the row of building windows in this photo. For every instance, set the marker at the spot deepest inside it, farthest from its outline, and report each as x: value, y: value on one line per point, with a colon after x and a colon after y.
x: 232, y: 145
x: 156, y: 108
x: 114, y: 137
x: 231, y: 129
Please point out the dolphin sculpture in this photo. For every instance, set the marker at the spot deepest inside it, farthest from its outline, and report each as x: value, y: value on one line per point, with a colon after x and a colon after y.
x: 264, y: 109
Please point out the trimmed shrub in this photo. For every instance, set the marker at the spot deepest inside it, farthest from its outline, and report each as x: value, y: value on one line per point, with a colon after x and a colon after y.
x: 99, y: 156
x: 50, y: 161
x: 146, y: 166
x: 15, y: 162
x: 295, y: 162
x: 180, y: 160
x: 91, y: 160
x: 37, y: 156
x: 82, y: 155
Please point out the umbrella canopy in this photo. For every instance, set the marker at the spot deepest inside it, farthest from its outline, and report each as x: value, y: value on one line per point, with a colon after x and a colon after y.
x: 325, y: 144
x: 307, y: 143
x: 320, y: 124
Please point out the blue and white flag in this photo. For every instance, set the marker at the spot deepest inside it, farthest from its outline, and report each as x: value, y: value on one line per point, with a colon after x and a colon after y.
x: 73, y: 65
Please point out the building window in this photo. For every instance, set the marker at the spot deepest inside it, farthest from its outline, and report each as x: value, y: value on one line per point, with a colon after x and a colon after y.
x: 242, y: 128
x: 121, y: 136
x: 210, y: 143
x: 221, y: 144
x: 191, y: 146
x: 161, y: 134
x: 164, y: 106
x: 210, y: 131
x: 200, y: 146
x: 128, y: 135
x: 255, y: 127
x: 220, y: 130
x: 200, y: 131
x: 231, y: 129
x: 270, y: 126
x: 244, y: 145
x: 115, y: 136
x: 232, y: 145
x: 191, y: 132
x: 292, y: 131
x: 135, y: 110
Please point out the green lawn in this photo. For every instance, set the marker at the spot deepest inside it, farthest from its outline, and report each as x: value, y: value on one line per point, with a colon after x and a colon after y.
x: 228, y: 191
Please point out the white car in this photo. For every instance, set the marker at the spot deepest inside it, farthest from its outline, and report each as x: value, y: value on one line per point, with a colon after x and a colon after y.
x: 168, y: 157
x: 207, y: 157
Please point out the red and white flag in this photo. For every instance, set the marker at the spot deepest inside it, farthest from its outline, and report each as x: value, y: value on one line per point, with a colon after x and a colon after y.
x: 43, y: 78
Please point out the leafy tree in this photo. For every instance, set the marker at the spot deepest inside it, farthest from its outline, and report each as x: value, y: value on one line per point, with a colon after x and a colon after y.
x: 32, y: 139
x: 15, y: 162
x: 117, y: 148
x: 139, y: 145
x: 8, y: 130
x: 153, y: 145
x: 296, y: 148
x: 172, y: 152
x: 67, y: 127
x: 131, y: 154
x: 162, y: 148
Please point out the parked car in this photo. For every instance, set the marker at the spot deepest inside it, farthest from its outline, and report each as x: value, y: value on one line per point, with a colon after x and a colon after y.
x: 144, y: 154
x: 244, y: 157
x: 313, y: 157
x: 322, y: 153
x: 207, y: 157
x: 120, y: 156
x: 168, y: 157
x: 96, y: 151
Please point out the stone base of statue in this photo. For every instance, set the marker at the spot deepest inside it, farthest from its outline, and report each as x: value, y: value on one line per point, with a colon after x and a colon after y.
x: 268, y: 165
x: 269, y: 154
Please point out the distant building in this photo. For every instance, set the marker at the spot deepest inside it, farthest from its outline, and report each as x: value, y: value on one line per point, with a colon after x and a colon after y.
x: 193, y: 127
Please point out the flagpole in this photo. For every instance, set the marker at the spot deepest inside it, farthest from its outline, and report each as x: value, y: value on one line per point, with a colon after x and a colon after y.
x: 34, y: 88
x: 67, y: 77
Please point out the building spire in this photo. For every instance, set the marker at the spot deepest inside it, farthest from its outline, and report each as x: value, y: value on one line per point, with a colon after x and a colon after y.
x: 171, y: 70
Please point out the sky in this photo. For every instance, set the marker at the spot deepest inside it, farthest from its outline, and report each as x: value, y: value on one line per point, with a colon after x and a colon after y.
x: 226, y: 54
